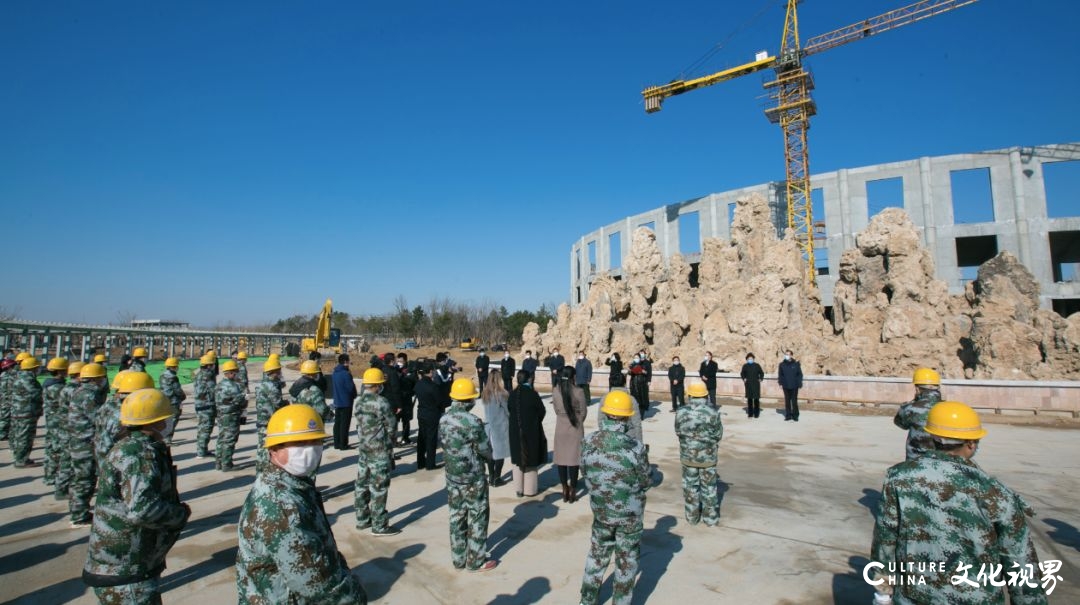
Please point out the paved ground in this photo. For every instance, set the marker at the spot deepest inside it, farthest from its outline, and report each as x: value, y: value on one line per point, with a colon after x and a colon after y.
x: 795, y: 528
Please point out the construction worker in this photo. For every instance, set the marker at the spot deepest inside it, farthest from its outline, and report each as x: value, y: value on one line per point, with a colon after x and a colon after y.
x: 940, y: 506
x: 205, y: 383
x: 62, y: 481
x: 375, y: 422
x: 699, y: 428
x: 466, y: 451
x: 287, y: 552
x: 617, y: 475
x: 107, y: 417
x: 26, y: 408
x: 138, y: 514
x: 268, y: 400
x: 231, y: 401
x: 170, y: 386
x: 100, y: 358
x: 306, y: 390
x: 912, y: 415
x: 138, y: 359
x: 9, y: 369
x: 54, y: 416
x: 85, y: 402
x: 240, y: 358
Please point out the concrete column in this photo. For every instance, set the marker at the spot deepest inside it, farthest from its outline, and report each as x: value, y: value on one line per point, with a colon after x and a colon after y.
x: 33, y: 344
x: 926, y: 204
x: 603, y: 254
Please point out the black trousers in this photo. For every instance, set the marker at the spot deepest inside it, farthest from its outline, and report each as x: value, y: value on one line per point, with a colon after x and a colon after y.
x: 791, y: 403
x: 677, y: 397
x: 406, y: 426
x: 753, y: 407
x: 426, y: 442
x: 508, y: 384
x: 712, y: 395
x: 342, y: 420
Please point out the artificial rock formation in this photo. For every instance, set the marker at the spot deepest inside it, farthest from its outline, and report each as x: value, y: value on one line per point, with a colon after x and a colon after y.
x: 890, y: 313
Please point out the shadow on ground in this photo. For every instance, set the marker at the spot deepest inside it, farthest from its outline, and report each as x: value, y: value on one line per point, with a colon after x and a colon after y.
x: 380, y: 574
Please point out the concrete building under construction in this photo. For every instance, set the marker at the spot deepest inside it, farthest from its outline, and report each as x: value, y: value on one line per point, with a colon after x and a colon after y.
x: 968, y: 207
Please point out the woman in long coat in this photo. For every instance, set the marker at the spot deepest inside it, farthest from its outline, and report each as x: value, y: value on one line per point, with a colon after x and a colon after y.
x: 568, y: 399
x: 528, y: 443
x: 497, y: 424
x: 752, y: 375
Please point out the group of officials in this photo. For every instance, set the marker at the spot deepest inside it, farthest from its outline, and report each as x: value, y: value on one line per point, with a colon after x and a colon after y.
x: 937, y: 505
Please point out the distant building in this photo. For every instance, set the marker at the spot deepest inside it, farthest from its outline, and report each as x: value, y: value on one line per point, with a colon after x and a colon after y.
x: 173, y: 324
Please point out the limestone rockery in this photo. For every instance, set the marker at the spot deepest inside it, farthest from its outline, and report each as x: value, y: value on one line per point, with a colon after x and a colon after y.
x: 890, y: 314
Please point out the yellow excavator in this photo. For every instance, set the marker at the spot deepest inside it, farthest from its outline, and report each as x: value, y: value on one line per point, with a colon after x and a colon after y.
x: 326, y: 339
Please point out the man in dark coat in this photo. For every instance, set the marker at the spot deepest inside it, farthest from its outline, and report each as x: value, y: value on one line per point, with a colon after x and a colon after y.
x: 429, y: 409
x: 555, y: 362
x: 676, y: 375
x: 529, y: 364
x: 344, y: 394
x: 408, y: 383
x: 528, y: 443
x: 392, y: 390
x: 507, y: 369
x: 752, y: 375
x: 482, y: 365
x: 707, y: 371
x: 789, y: 375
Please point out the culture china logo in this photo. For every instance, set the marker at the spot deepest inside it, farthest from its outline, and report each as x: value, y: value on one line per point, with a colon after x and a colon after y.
x: 908, y: 574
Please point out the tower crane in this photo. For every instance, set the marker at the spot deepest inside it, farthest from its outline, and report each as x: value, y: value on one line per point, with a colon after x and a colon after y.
x: 791, y: 93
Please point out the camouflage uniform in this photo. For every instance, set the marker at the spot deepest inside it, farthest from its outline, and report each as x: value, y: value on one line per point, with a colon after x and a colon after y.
x: 63, y: 435
x: 241, y: 374
x: 26, y: 408
x: 267, y: 401
x: 699, y: 429
x: 466, y: 450
x: 941, y: 507
x: 54, y: 424
x: 230, y: 404
x: 617, y: 475
x: 287, y: 552
x: 204, y: 409
x: 912, y: 416
x: 314, y: 397
x: 85, y: 401
x: 7, y: 385
x: 7, y: 381
x: 375, y: 423
x: 106, y: 427
x: 137, y: 518
x: 170, y: 386
x: 137, y: 365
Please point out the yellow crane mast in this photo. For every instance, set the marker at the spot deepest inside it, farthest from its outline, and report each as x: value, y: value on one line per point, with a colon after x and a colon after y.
x: 793, y: 106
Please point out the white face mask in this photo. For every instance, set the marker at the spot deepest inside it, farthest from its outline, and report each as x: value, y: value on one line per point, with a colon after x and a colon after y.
x: 581, y: 357
x: 676, y: 362
x: 637, y: 359
x: 787, y: 357
x: 303, y: 459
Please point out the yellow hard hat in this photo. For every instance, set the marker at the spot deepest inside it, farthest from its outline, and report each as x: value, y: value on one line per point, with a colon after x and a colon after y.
x: 139, y: 352
x: 172, y: 362
x: 617, y: 403
x: 99, y: 358
x: 698, y: 389
x: 241, y: 355
x: 57, y: 363
x: 273, y: 356
x: 926, y: 377
x: 21, y: 356
x: 211, y: 353
x: 271, y: 365
x: 130, y: 381
x: 954, y: 420
x: 373, y: 376
x: 309, y: 367
x: 92, y: 370
x: 229, y: 366
x: 295, y: 422
x: 29, y: 363
x: 207, y: 360
x: 462, y: 390
x: 145, y: 406
x: 74, y: 368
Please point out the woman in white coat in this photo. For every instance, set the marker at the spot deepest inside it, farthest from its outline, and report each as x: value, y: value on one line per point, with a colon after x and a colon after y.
x: 497, y: 424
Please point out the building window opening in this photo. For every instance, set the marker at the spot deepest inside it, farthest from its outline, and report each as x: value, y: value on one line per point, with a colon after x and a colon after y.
x: 1065, y: 255
x: 1062, y: 183
x: 591, y: 252
x: 972, y: 198
x: 615, y: 250
x: 884, y: 193
x: 1066, y: 306
x: 694, y: 274
x: 972, y: 252
x: 690, y: 232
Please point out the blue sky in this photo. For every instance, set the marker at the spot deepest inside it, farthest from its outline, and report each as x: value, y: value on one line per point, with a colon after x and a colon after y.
x: 240, y: 162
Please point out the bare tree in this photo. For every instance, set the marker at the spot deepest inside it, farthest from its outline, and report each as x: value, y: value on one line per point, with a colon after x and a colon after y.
x: 125, y: 317
x: 7, y: 314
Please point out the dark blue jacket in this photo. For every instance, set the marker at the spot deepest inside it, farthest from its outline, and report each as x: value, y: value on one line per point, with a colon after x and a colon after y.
x: 344, y: 387
x: 583, y: 371
x: 789, y: 375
